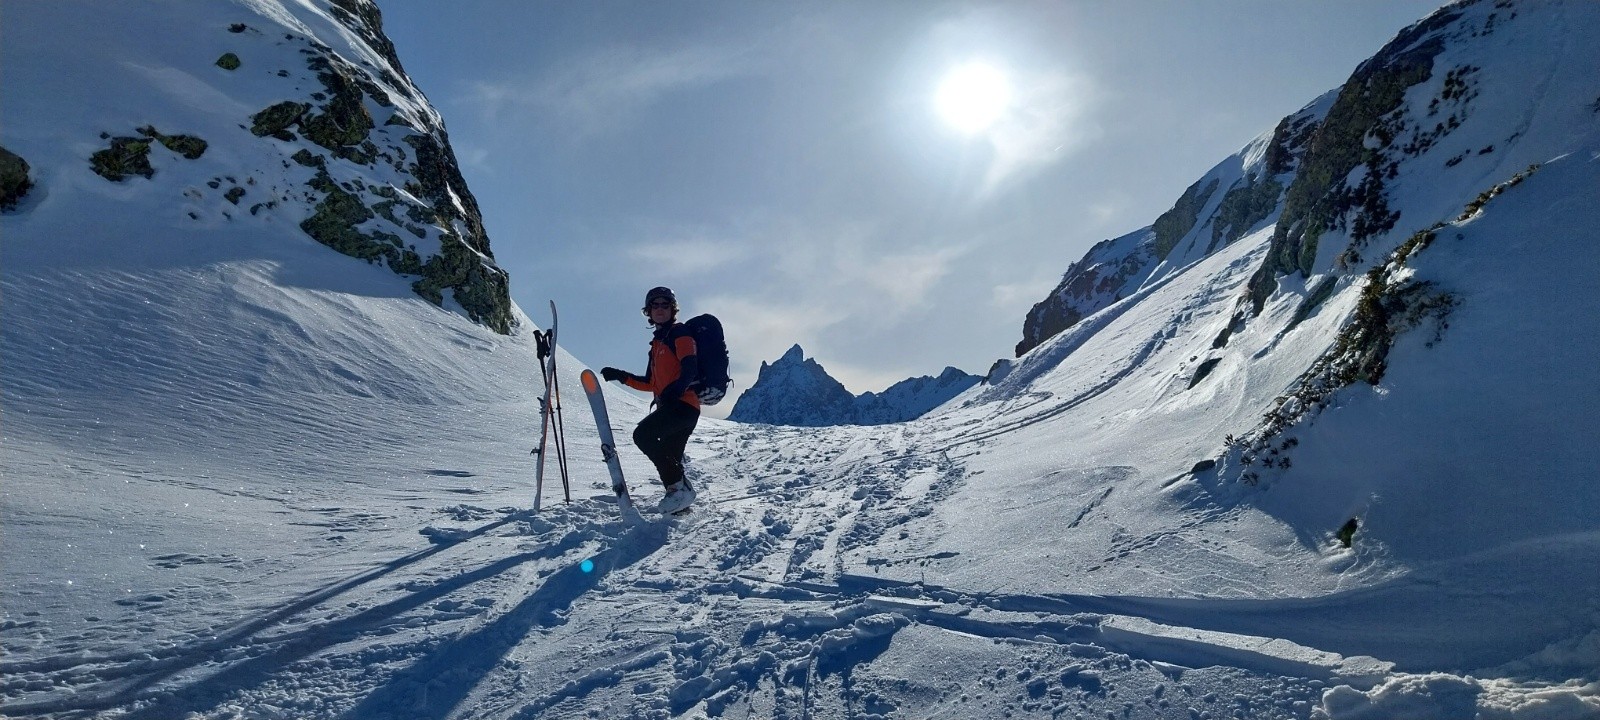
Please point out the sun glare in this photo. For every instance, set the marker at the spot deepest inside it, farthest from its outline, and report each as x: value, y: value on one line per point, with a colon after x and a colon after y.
x: 973, y: 96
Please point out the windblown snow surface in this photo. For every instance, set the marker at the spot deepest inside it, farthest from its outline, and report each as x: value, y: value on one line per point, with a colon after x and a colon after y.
x: 247, y: 477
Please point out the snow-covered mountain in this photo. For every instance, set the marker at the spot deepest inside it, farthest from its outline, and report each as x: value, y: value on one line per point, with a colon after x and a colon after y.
x: 1334, y: 466
x: 1240, y: 194
x: 259, y: 119
x: 913, y: 397
x: 796, y: 390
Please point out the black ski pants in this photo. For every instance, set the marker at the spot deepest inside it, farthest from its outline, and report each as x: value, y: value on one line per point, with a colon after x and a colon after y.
x: 663, y: 435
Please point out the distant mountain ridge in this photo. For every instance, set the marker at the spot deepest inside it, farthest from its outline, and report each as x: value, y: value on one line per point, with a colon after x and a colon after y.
x: 796, y: 390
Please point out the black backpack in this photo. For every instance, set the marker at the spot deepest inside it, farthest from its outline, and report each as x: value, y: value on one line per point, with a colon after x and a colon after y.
x: 712, y: 351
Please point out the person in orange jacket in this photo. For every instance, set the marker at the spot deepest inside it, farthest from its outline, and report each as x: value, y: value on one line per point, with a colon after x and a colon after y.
x: 664, y: 433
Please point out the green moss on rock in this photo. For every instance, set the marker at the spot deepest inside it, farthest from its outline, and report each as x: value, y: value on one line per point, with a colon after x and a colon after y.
x: 277, y: 119
x: 14, y: 179
x: 344, y: 121
x: 308, y: 159
x: 1243, y: 207
x: 338, y: 120
x: 334, y: 222
x: 126, y: 156
x: 188, y: 146
x: 1317, y: 198
x: 229, y: 61
x: 1178, y: 221
x: 481, y: 289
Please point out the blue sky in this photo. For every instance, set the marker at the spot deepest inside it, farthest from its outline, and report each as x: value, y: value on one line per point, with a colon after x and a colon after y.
x: 787, y: 167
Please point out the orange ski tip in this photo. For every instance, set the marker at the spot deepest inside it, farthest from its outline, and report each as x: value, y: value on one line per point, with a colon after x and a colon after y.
x: 590, y: 383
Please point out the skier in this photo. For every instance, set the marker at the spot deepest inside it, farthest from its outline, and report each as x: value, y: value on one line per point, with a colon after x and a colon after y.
x: 664, y: 433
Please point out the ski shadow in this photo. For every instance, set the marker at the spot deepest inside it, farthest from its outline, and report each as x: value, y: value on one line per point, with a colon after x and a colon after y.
x: 206, y: 693
x: 467, y: 658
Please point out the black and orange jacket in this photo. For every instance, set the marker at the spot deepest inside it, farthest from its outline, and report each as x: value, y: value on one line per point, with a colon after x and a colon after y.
x: 669, y: 348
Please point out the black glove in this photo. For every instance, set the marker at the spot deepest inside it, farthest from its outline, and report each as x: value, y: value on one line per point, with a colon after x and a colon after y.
x: 612, y: 374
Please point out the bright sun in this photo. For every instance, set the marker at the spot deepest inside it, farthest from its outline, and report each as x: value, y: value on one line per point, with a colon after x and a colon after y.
x: 973, y: 96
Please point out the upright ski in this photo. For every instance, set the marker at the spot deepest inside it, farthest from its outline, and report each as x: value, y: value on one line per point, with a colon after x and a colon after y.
x: 550, y: 427
x: 608, y: 446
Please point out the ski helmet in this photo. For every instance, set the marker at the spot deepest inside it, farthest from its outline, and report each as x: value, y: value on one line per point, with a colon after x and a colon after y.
x: 660, y: 293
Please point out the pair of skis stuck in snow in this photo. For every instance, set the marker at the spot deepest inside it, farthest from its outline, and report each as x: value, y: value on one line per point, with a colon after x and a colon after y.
x: 550, y: 409
x: 550, y: 412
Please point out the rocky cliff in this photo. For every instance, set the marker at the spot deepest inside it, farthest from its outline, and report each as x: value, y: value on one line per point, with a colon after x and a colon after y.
x: 254, y: 112
x: 1427, y: 108
x: 1240, y: 194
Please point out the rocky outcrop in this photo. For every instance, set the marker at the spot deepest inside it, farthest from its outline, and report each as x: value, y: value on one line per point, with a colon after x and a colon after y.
x: 1325, y: 179
x: 14, y: 179
x: 1321, y: 197
x: 342, y: 126
x: 1237, y: 196
x: 1094, y: 282
x: 796, y: 390
x: 379, y: 180
x: 127, y: 156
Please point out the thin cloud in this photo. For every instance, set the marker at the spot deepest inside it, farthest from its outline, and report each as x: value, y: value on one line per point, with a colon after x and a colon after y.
x: 765, y: 328
x: 1050, y: 119
x: 795, y: 284
x: 856, y: 268
x: 689, y: 257
x: 1014, y: 299
x: 606, y: 88
x: 904, y: 280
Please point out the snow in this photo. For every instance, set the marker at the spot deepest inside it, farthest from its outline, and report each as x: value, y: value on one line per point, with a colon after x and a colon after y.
x: 248, y: 477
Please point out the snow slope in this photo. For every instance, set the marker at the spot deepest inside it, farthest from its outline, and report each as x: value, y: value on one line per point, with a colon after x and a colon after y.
x: 246, y: 476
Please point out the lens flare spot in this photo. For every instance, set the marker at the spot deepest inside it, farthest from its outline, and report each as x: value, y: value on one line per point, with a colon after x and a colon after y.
x: 586, y: 566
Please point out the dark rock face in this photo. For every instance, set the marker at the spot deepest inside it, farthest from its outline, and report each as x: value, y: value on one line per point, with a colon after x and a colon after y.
x: 126, y: 156
x: 14, y: 180
x: 1197, y: 224
x: 383, y: 181
x: 189, y: 146
x: 277, y: 119
x: 1177, y: 222
x: 131, y: 155
x: 1090, y: 284
x: 1318, y: 200
x: 339, y: 124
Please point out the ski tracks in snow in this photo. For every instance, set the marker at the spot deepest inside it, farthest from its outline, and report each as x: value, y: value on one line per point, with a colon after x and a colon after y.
x: 754, y: 605
x: 404, y: 622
